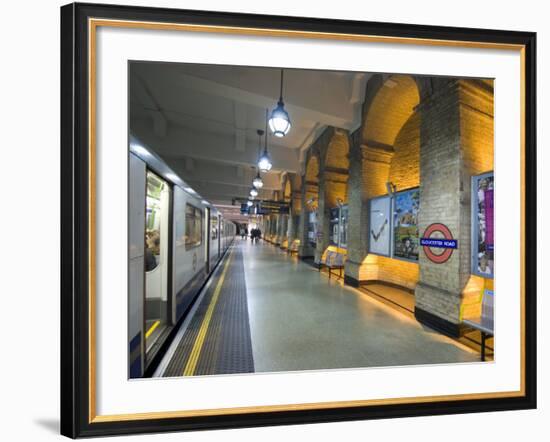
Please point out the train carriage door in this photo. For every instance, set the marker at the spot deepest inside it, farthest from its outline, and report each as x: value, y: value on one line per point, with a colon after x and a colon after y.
x: 157, y: 236
x: 222, y: 233
x: 207, y: 243
x: 219, y: 236
x: 214, y: 247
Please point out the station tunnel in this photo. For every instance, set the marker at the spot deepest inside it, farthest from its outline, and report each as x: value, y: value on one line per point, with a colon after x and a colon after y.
x: 290, y: 219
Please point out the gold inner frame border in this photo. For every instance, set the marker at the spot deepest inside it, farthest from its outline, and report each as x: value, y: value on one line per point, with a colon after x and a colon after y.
x: 93, y: 24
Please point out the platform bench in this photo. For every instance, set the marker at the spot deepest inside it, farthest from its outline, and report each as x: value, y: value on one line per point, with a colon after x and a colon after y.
x: 332, y: 261
x: 484, y: 323
x: 293, y: 248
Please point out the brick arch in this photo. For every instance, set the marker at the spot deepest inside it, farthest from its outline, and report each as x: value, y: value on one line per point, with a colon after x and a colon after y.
x: 312, y: 168
x: 391, y: 141
x: 336, y: 155
x: 295, y: 192
x: 405, y: 164
x: 287, y: 188
x: 390, y: 102
x: 311, y: 179
x: 336, y: 167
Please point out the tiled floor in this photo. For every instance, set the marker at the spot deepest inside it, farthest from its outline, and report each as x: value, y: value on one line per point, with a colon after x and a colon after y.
x: 300, y: 320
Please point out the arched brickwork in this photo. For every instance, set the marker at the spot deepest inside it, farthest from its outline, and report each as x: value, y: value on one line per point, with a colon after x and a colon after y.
x: 311, y: 181
x: 308, y: 201
x: 390, y: 109
x: 390, y: 143
x: 336, y: 168
x: 287, y: 189
x: 296, y: 185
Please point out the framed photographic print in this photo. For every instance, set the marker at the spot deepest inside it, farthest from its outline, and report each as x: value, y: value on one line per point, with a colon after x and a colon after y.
x: 483, y: 225
x: 344, y: 226
x: 335, y: 226
x: 406, y: 244
x: 312, y: 228
x: 202, y: 153
x: 380, y: 226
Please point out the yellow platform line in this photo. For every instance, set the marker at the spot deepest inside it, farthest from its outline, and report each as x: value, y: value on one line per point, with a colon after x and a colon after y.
x: 152, y: 329
x: 191, y: 365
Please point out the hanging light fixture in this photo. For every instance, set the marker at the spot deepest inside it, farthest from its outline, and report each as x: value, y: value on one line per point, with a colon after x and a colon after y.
x: 249, y: 203
x: 257, y: 182
x: 279, y: 122
x: 264, y: 162
x: 253, y: 192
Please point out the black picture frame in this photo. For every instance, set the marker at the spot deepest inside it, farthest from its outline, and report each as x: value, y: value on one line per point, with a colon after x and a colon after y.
x: 76, y: 404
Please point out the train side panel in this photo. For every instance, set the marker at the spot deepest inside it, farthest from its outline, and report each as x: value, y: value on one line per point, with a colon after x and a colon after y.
x: 213, y: 238
x: 136, y: 245
x: 189, y: 259
x: 189, y: 234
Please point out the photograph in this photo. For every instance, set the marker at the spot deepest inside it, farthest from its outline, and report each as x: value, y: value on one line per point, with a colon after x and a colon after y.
x: 221, y: 158
x: 405, y: 235
x: 379, y: 224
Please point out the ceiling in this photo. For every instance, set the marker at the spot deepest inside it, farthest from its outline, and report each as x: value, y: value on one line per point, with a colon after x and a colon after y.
x: 203, y: 121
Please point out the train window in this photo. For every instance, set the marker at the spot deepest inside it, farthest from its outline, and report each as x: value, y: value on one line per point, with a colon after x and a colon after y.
x: 214, y: 227
x: 193, y: 226
x: 156, y: 301
x: 155, y: 187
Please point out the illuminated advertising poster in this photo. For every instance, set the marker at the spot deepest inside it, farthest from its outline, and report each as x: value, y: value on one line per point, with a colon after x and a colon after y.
x: 334, y: 226
x: 483, y: 225
x: 405, y: 225
x: 312, y: 228
x: 344, y: 216
x: 379, y: 226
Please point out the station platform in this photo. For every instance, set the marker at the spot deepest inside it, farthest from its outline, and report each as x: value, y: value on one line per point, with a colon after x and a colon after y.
x: 265, y: 311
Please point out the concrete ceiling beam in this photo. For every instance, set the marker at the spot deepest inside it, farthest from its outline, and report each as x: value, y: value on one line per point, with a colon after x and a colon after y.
x: 142, y: 94
x: 179, y: 143
x: 254, y: 98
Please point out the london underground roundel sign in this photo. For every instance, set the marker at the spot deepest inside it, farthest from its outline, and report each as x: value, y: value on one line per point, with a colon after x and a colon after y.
x: 445, y: 245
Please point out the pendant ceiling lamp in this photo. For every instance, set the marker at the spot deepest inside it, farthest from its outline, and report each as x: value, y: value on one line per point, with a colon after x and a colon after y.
x: 253, y: 192
x: 257, y: 182
x: 264, y: 162
x: 279, y: 121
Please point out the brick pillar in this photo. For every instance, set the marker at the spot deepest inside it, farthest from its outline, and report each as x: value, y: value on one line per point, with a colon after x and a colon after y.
x: 267, y: 226
x: 276, y: 225
x: 323, y: 216
x: 291, y: 231
x: 443, y: 199
x: 272, y: 222
x: 357, y: 201
x: 265, y: 230
x: 281, y: 230
x: 369, y: 172
x: 295, y: 211
x: 305, y: 250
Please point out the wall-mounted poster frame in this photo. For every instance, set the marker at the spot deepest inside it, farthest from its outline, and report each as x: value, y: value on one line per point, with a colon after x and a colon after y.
x: 405, y: 233
x: 312, y: 228
x: 483, y: 225
x: 334, y: 219
x: 380, y: 225
x: 344, y: 218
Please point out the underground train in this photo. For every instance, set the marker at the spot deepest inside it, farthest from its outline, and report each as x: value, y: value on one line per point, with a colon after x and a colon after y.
x: 176, y: 240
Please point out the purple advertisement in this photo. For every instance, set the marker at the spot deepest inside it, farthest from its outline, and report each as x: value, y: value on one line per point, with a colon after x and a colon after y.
x: 489, y: 218
x: 483, y: 234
